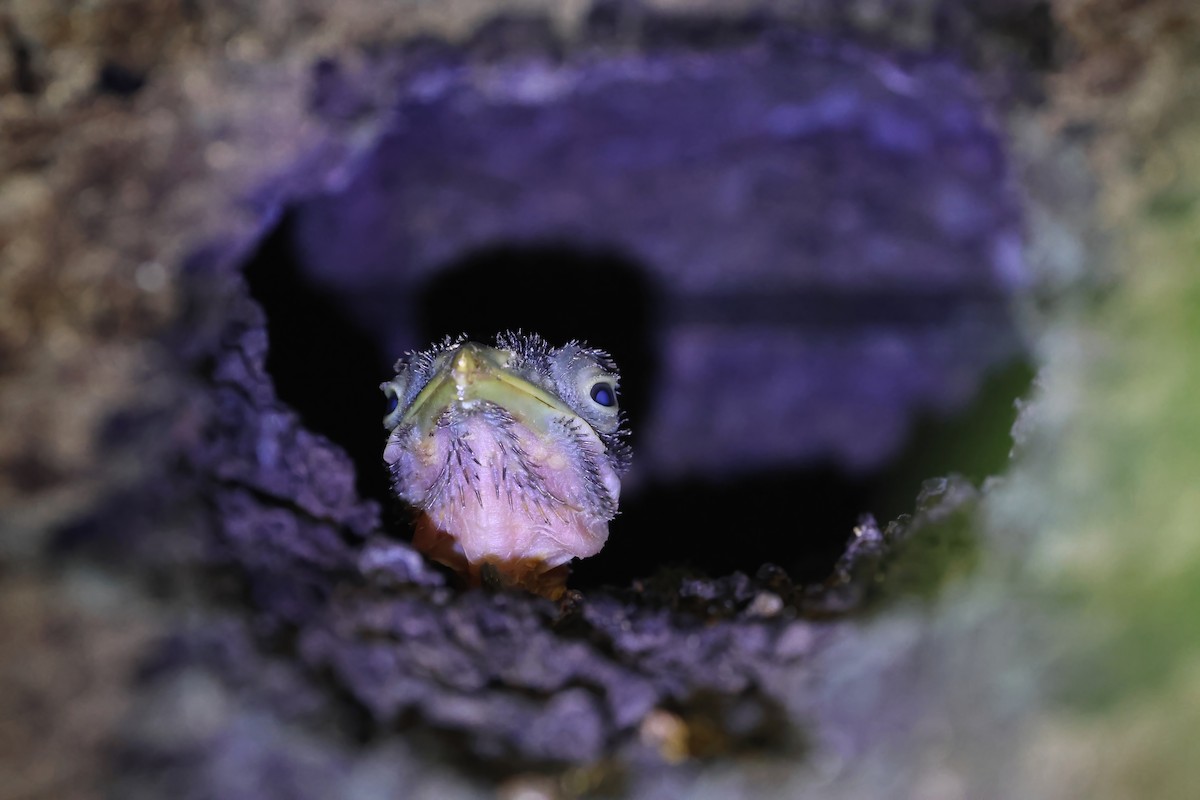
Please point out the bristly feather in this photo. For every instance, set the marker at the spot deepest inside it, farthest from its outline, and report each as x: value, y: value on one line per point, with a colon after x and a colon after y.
x: 530, y: 351
x: 618, y: 448
x: 602, y: 499
x: 419, y: 361
x: 601, y: 357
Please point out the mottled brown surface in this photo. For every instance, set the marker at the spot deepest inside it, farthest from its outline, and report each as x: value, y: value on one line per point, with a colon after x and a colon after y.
x: 69, y: 662
x: 1133, y: 90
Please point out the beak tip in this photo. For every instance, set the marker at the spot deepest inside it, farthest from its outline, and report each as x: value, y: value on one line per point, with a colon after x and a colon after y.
x: 468, y: 360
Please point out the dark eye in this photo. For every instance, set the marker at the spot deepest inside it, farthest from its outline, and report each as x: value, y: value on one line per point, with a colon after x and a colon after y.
x: 392, y: 391
x: 604, y: 394
x: 392, y: 394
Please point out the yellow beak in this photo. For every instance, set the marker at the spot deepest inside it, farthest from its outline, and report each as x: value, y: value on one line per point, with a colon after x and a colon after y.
x: 477, y: 374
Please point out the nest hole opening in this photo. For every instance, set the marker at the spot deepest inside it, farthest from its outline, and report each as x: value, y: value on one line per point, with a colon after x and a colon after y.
x: 330, y: 348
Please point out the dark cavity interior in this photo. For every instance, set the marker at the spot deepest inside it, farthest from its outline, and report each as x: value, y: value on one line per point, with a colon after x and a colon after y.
x: 803, y: 264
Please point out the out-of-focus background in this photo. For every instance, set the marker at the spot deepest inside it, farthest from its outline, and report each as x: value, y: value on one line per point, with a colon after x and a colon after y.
x: 905, y: 300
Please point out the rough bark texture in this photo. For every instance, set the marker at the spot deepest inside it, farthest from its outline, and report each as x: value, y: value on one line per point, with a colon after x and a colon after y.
x: 803, y: 223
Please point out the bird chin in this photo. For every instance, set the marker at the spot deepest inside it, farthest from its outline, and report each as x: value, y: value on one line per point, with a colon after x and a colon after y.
x: 502, y: 496
x: 507, y: 546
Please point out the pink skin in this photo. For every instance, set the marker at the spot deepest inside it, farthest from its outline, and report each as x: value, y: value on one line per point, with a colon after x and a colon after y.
x: 480, y: 505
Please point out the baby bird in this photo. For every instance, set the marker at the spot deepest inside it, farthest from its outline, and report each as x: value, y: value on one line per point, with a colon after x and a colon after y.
x: 511, y: 455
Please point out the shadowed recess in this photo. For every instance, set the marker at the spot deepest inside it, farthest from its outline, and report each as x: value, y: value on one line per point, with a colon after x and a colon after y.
x: 801, y: 517
x: 324, y: 364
